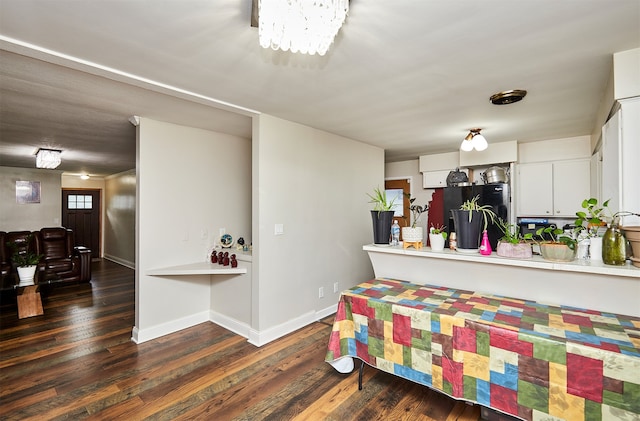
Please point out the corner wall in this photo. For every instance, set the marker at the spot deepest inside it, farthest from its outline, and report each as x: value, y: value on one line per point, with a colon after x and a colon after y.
x: 190, y: 182
x: 315, y: 184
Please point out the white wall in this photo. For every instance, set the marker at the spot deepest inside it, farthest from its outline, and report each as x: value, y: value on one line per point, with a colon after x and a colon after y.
x: 190, y: 182
x: 30, y: 216
x: 315, y: 184
x: 119, y: 218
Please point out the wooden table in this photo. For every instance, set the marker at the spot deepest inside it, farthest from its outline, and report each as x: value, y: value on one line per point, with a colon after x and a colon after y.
x: 28, y: 297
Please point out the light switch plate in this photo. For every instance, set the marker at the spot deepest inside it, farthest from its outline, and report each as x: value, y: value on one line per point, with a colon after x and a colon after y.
x: 279, y: 229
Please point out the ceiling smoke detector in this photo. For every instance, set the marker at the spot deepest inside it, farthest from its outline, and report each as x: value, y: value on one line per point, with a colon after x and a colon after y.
x: 508, y: 97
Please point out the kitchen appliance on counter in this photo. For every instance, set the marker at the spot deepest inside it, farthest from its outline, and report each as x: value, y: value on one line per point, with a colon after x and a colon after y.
x: 496, y: 195
x: 531, y: 225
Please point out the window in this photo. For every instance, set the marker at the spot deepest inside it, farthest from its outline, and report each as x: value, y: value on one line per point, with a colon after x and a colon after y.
x: 79, y: 201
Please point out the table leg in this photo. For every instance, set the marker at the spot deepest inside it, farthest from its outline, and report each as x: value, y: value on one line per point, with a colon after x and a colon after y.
x: 360, y: 375
x: 29, y: 302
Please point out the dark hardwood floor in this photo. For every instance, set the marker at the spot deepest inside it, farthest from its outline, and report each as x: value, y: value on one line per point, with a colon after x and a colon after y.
x: 77, y: 361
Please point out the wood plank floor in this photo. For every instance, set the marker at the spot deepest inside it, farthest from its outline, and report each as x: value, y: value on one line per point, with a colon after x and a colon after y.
x: 77, y: 361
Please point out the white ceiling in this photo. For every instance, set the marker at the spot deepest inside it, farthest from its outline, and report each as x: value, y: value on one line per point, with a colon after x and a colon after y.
x: 409, y: 76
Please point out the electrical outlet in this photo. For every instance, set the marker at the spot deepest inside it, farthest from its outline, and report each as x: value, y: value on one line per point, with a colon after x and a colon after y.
x: 321, y: 292
x: 279, y: 229
x: 335, y: 287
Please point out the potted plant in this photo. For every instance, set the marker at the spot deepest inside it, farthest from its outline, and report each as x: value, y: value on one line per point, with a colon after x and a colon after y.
x: 592, y: 217
x: 414, y: 233
x: 381, y: 216
x: 513, y: 243
x: 559, y: 247
x: 437, y: 236
x: 471, y: 221
x: 26, y: 262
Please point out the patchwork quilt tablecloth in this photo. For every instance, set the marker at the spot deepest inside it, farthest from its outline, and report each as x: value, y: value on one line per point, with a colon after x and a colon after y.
x: 530, y: 360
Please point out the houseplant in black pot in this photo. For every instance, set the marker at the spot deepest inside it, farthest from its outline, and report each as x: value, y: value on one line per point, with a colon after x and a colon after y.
x: 381, y: 216
x: 470, y: 221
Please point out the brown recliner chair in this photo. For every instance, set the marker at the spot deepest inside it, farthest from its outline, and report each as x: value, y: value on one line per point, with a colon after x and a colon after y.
x: 16, y: 242
x: 61, y: 255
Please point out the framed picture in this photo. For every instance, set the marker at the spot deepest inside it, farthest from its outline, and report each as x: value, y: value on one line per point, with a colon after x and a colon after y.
x: 27, y: 191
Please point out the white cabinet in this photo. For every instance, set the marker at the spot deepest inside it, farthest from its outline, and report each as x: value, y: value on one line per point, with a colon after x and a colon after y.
x: 552, y: 189
x: 620, y: 153
x: 434, y: 179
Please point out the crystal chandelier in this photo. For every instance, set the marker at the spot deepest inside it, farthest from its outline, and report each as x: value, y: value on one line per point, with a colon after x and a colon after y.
x: 305, y: 26
x: 48, y: 158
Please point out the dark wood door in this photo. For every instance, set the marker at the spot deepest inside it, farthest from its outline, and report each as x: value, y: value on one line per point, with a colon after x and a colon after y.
x: 81, y: 213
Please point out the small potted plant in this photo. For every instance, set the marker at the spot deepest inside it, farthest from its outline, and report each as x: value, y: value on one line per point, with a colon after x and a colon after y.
x: 592, y: 217
x: 471, y: 221
x: 26, y: 262
x: 414, y: 233
x: 559, y: 247
x: 513, y: 244
x: 437, y: 236
x: 381, y: 216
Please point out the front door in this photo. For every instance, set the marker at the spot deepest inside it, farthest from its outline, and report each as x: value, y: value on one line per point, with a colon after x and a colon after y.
x: 81, y: 213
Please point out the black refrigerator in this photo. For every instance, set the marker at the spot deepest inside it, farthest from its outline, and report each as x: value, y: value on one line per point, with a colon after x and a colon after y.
x: 496, y: 195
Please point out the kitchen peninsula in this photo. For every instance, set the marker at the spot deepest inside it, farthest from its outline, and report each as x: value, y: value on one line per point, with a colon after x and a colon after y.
x: 582, y: 284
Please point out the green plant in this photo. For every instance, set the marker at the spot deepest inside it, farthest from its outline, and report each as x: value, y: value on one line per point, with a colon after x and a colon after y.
x: 26, y: 258
x: 379, y: 199
x: 511, y: 232
x: 473, y: 205
x: 557, y: 235
x: 416, y: 210
x: 592, y: 217
x: 438, y: 229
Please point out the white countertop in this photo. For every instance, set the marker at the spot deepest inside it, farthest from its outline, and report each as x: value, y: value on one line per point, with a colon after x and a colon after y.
x: 205, y: 268
x: 537, y: 262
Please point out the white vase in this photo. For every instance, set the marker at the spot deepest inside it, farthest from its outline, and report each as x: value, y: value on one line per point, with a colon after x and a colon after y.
x: 436, y: 241
x: 412, y: 235
x: 595, y: 248
x: 26, y: 274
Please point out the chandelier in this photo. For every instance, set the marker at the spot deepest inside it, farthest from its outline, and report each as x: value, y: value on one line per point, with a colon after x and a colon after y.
x: 474, y: 140
x: 47, y: 158
x: 304, y: 26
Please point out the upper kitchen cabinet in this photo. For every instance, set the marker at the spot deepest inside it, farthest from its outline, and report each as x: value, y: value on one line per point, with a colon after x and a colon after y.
x: 620, y: 153
x: 552, y: 189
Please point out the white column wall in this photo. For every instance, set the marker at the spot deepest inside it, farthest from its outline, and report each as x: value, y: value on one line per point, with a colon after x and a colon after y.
x: 315, y: 184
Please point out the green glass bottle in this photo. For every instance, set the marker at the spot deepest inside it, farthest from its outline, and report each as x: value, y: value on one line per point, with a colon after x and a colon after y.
x: 614, y: 245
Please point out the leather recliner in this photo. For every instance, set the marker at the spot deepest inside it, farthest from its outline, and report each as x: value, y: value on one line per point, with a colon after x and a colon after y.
x: 62, y: 256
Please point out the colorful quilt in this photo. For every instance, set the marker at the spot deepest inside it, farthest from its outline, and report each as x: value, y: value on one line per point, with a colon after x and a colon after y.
x: 530, y: 360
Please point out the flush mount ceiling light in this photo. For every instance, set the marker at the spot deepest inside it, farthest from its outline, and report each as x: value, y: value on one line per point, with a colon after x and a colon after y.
x: 303, y: 26
x: 48, y: 158
x: 474, y: 140
x: 508, y: 97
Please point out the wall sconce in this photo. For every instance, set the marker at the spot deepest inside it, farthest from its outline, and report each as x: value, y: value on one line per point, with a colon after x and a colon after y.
x: 48, y: 158
x: 474, y: 140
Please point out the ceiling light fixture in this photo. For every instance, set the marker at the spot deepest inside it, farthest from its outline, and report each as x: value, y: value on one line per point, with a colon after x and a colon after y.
x: 48, y: 158
x: 507, y: 97
x: 474, y: 140
x: 304, y: 26
x: 84, y: 176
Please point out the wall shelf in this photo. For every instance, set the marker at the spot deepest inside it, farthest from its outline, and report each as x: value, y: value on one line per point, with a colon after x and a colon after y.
x: 199, y: 268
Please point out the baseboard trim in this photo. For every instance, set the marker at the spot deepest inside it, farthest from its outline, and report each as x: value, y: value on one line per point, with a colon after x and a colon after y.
x: 125, y: 263
x: 229, y: 323
x: 263, y: 337
x: 143, y: 335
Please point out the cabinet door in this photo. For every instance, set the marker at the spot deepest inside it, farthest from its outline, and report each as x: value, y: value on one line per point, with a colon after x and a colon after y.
x: 571, y: 185
x: 434, y: 179
x: 535, y: 189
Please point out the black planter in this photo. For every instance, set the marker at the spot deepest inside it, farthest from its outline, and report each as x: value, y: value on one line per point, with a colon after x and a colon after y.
x: 381, y: 226
x: 468, y: 233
